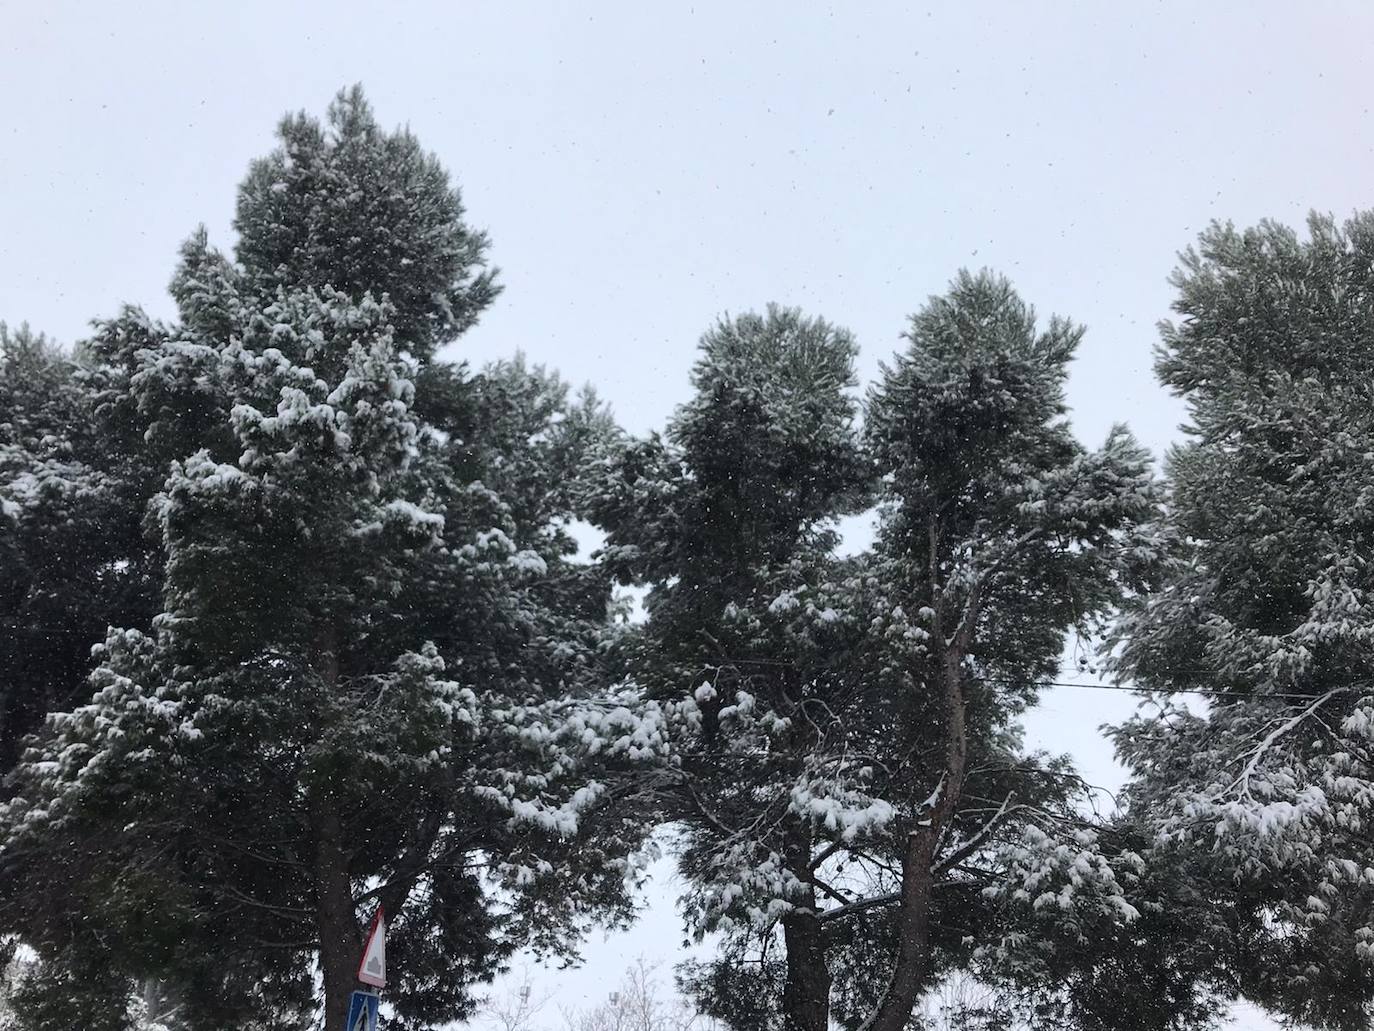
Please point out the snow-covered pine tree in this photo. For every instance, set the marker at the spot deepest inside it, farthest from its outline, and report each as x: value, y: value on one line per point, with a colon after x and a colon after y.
x: 810, y: 712
x: 1263, y: 793
x: 363, y: 210
x: 1165, y: 970
x: 722, y: 518
x: 998, y: 534
x: 355, y: 692
x: 71, y: 551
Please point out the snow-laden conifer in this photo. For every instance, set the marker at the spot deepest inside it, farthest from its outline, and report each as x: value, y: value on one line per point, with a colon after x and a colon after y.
x: 999, y: 533
x: 1262, y: 791
x: 360, y: 686
x: 844, y: 713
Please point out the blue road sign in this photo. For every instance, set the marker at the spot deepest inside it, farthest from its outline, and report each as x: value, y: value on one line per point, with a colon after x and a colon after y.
x: 362, y: 1012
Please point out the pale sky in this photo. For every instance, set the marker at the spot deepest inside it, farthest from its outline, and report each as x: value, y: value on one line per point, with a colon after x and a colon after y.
x: 645, y: 167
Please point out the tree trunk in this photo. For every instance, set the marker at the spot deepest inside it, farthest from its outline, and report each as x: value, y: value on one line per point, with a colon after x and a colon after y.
x: 806, y: 991
x: 806, y: 995
x: 910, y: 971
x: 336, y: 920
x: 335, y: 917
x: 912, y: 966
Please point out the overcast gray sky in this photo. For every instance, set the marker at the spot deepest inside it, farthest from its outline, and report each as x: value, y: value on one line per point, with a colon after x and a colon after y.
x: 645, y: 167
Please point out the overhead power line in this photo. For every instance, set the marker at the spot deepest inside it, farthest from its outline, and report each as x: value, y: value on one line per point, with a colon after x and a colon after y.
x: 1204, y: 691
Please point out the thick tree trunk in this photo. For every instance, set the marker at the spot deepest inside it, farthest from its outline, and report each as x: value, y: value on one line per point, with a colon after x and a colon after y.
x: 910, y: 970
x: 806, y: 995
x: 335, y: 917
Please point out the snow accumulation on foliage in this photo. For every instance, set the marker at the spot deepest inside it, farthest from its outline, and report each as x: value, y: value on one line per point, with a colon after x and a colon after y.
x: 310, y: 635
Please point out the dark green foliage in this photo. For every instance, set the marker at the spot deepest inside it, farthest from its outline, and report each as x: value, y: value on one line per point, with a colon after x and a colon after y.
x: 363, y: 599
x: 352, y: 207
x: 71, y: 548
x: 741, y: 992
x: 59, y: 999
x: 814, y: 708
x: 1262, y: 801
x: 752, y: 467
x: 356, y: 646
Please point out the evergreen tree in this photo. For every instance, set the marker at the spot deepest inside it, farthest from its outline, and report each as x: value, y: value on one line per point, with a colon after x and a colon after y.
x: 361, y: 210
x: 810, y: 710
x: 999, y: 533
x: 720, y: 518
x: 355, y: 693
x: 1263, y: 796
x: 71, y: 549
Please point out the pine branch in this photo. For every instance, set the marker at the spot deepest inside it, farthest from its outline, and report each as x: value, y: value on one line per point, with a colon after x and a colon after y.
x: 976, y: 841
x: 1243, y: 781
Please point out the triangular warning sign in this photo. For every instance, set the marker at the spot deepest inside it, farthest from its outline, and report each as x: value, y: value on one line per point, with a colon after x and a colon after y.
x: 372, y: 967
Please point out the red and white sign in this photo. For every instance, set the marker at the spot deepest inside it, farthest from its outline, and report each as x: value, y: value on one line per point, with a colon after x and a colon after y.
x: 372, y: 967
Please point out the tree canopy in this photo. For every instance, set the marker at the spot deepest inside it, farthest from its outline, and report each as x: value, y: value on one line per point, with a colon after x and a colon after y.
x: 361, y: 614
x: 295, y: 627
x: 1262, y: 791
